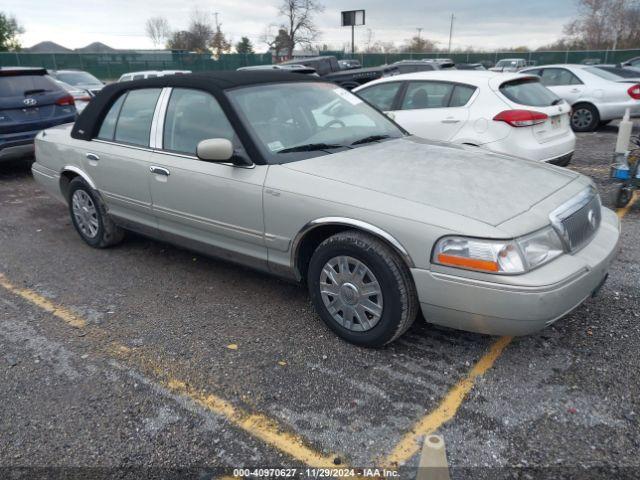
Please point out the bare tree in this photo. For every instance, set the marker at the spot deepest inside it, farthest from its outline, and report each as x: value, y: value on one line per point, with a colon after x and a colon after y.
x: 299, y: 25
x: 158, y: 30
x: 604, y: 24
x: 417, y: 44
x: 219, y: 43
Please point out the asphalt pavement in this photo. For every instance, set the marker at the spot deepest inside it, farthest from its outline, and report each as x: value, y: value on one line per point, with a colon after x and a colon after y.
x: 157, y: 361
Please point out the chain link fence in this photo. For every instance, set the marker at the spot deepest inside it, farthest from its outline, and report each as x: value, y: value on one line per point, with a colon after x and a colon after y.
x: 110, y: 66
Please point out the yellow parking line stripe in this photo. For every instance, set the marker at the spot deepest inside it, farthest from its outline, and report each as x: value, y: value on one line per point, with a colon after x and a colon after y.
x: 446, y: 410
x: 67, y: 316
x: 255, y: 424
x: 623, y: 211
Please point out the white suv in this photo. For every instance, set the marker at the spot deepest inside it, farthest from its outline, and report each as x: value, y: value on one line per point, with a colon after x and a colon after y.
x: 507, y: 113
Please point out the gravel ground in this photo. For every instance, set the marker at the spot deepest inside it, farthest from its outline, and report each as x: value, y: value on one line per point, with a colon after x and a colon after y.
x: 564, y: 402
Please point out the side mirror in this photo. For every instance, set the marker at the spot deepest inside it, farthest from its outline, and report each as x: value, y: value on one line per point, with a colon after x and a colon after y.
x: 215, y: 150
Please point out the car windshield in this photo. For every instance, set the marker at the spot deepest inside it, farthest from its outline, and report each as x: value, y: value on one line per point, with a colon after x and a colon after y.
x: 296, y: 121
x: 22, y: 85
x: 530, y: 92
x: 78, y: 78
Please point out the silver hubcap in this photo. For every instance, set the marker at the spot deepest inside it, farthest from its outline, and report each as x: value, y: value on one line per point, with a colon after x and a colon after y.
x: 582, y: 118
x: 85, y: 213
x: 351, y: 293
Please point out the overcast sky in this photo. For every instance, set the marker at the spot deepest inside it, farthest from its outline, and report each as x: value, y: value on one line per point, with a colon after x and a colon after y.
x: 486, y: 24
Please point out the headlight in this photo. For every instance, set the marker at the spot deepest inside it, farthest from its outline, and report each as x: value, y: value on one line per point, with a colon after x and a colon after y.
x: 499, y: 256
x: 540, y: 247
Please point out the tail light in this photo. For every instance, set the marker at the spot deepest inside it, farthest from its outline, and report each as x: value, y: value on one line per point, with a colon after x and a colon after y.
x: 65, y: 101
x: 521, y: 118
x: 634, y: 92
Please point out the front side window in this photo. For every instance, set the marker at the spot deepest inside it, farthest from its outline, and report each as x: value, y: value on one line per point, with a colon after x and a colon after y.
x: 193, y: 116
x: 382, y: 95
x: 427, y: 95
x: 108, y: 128
x: 296, y: 121
x: 134, y: 122
x: 555, y: 77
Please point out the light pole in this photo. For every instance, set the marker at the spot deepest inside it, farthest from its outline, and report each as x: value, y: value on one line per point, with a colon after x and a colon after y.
x: 451, y: 31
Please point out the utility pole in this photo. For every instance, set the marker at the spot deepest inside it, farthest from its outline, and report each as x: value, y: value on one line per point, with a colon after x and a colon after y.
x: 215, y: 14
x: 419, y: 29
x: 451, y: 31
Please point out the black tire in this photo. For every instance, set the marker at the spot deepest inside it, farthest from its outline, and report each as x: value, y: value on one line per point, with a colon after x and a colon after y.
x: 623, y: 197
x: 585, y: 118
x: 400, y: 300
x: 108, y: 233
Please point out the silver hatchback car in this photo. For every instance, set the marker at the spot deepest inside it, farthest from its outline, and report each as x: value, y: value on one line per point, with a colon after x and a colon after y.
x: 298, y: 177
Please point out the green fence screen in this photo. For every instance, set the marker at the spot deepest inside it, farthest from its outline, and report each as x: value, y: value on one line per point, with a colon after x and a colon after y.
x: 109, y: 66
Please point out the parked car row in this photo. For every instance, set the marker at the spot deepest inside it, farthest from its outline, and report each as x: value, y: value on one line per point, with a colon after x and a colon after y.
x: 292, y: 175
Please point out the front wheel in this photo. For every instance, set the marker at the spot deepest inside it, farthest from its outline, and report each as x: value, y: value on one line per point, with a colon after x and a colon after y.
x: 362, y: 289
x: 585, y: 118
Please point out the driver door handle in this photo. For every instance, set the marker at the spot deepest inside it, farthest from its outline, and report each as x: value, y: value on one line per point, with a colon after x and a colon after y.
x: 450, y: 120
x: 159, y: 170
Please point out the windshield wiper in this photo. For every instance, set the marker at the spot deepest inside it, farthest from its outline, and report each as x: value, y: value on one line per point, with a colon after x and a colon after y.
x: 556, y: 101
x: 370, y: 139
x: 311, y: 147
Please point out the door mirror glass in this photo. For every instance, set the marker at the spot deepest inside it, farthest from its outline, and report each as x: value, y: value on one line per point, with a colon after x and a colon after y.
x: 215, y: 150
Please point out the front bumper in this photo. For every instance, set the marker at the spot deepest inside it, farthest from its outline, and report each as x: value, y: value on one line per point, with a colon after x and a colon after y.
x: 511, y: 309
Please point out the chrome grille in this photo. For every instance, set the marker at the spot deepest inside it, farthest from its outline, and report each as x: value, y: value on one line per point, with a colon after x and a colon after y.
x: 578, y: 220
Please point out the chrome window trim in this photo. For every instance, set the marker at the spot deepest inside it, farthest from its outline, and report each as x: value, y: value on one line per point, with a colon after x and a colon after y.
x: 157, y: 124
x: 350, y: 222
x: 119, y: 144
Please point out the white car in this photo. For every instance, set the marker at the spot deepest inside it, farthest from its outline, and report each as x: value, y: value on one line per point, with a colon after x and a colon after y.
x: 596, y: 97
x: 127, y: 77
x: 509, y: 65
x: 507, y: 113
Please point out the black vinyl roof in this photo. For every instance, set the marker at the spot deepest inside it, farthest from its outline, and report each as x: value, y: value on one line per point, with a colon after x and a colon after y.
x: 88, y: 123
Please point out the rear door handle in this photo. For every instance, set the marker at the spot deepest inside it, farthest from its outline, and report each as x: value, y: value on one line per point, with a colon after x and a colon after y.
x: 450, y: 120
x: 93, y: 157
x: 159, y: 170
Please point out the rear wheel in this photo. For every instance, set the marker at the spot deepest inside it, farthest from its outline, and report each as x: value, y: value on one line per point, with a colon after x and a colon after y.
x: 361, y: 289
x: 585, y: 118
x: 89, y: 216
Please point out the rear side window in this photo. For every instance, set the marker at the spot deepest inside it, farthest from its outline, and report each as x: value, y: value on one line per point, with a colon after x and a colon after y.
x: 134, y: 121
x: 427, y: 95
x: 461, y: 95
x: 381, y: 96
x: 108, y: 128
x: 555, y: 77
x: 22, y: 85
x: 528, y: 91
x: 193, y: 116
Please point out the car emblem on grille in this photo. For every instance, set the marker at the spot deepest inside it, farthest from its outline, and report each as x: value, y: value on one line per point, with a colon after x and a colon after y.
x: 29, y: 102
x: 591, y: 216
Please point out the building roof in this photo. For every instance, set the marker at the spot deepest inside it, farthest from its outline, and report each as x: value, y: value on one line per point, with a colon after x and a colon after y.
x: 96, y: 47
x: 47, y: 47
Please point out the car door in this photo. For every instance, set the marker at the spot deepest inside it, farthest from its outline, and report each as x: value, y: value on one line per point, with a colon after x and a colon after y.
x: 383, y: 96
x: 118, y: 159
x: 212, y: 207
x: 563, y: 83
x: 425, y: 110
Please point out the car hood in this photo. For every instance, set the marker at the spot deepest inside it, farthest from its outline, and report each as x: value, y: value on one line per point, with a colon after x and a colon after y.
x: 468, y: 181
